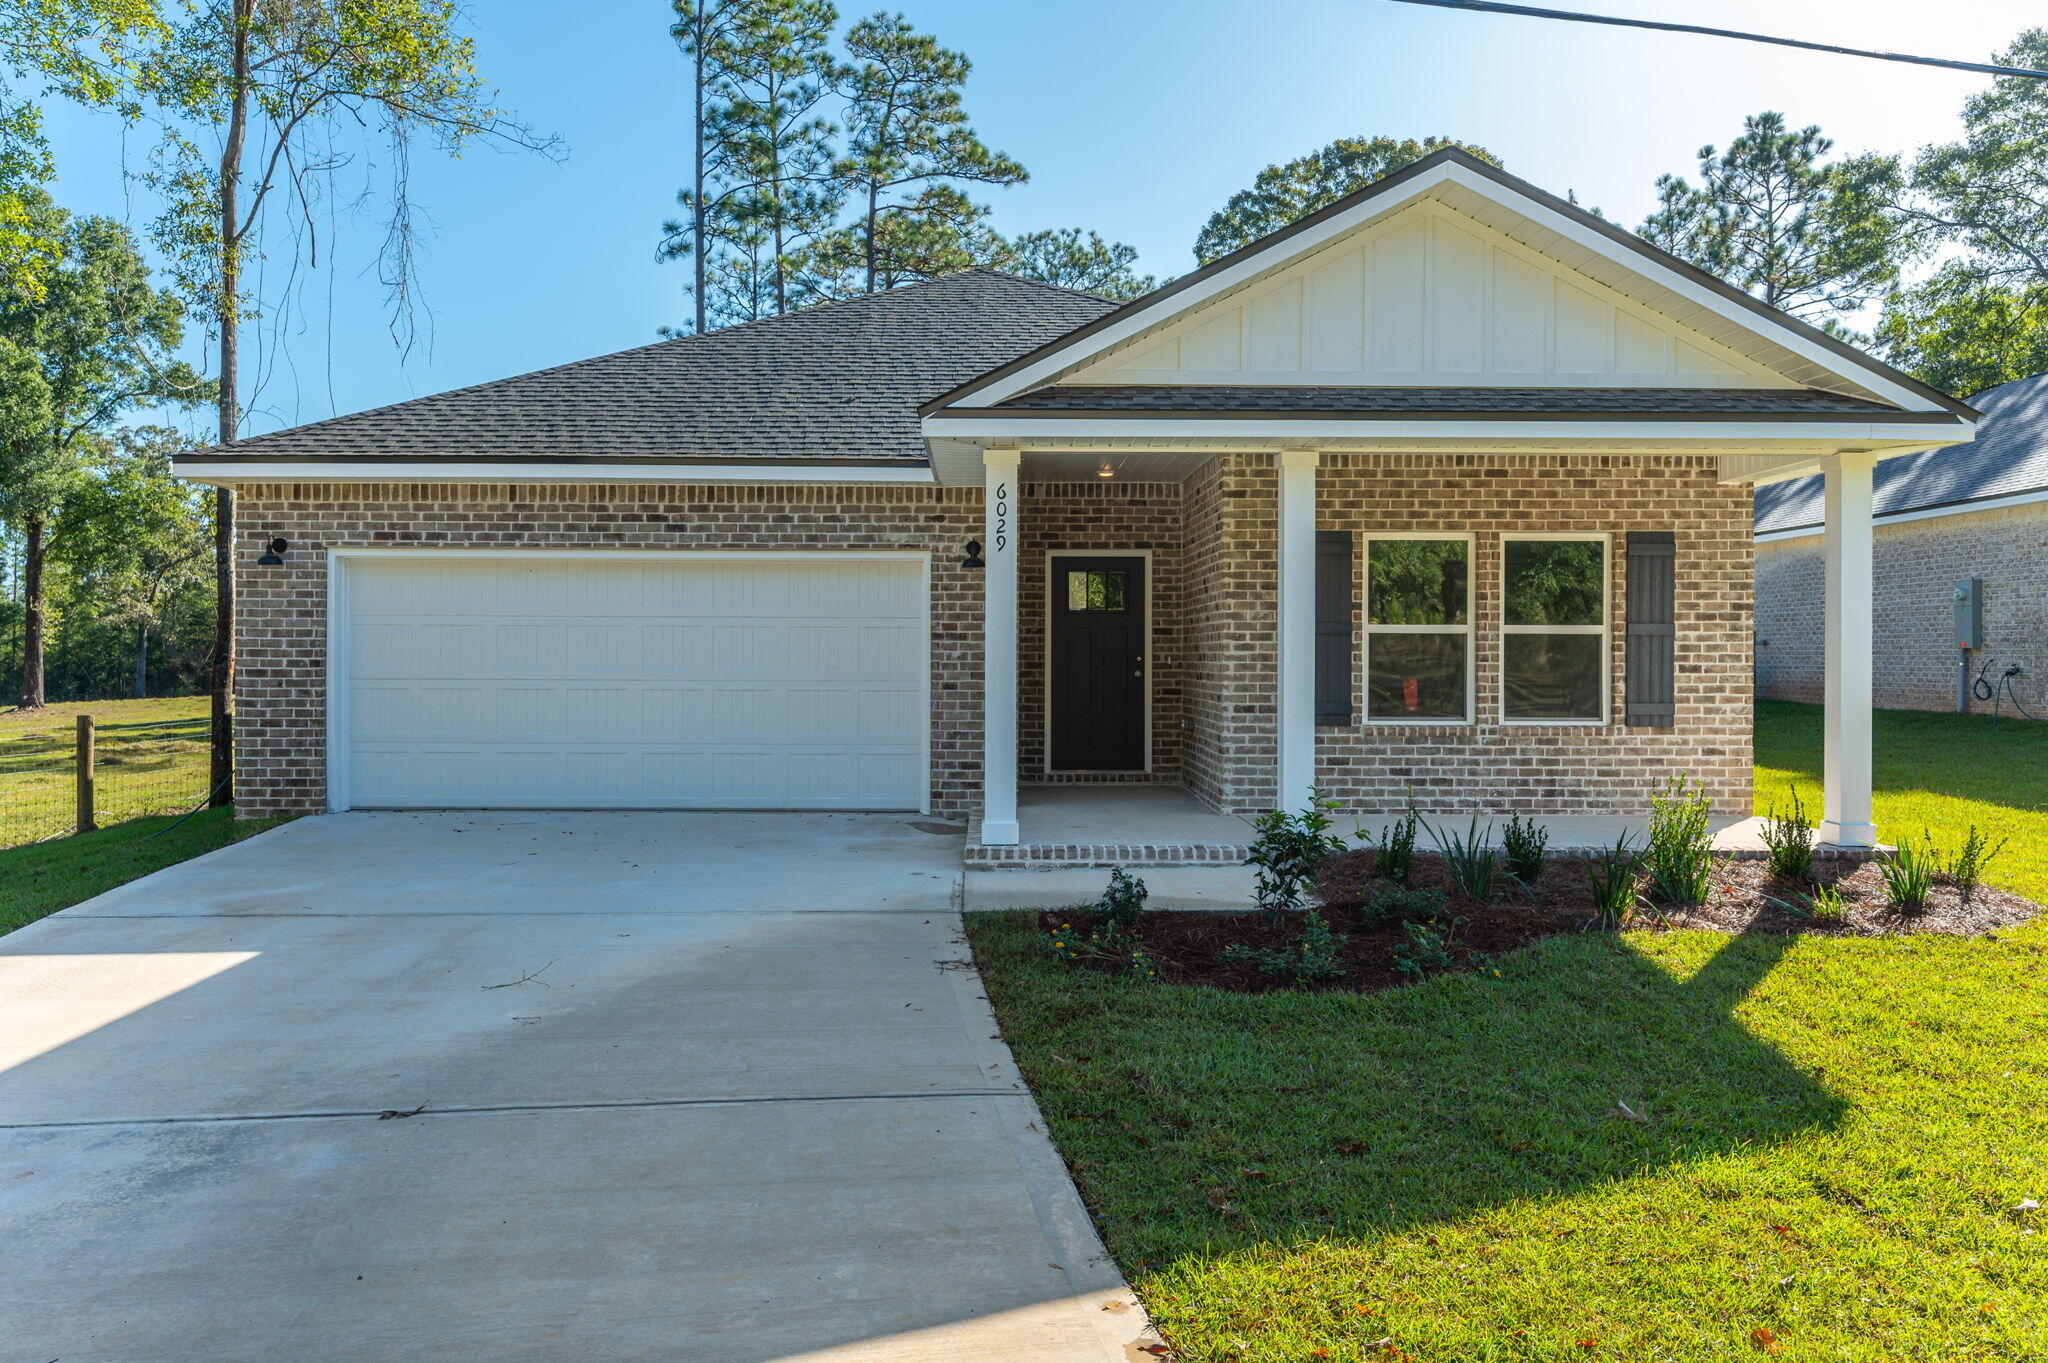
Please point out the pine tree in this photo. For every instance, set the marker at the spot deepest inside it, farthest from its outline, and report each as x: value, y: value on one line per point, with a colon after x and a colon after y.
x: 909, y: 147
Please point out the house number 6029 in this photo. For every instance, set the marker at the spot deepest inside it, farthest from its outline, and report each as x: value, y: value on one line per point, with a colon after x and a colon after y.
x: 1001, y: 537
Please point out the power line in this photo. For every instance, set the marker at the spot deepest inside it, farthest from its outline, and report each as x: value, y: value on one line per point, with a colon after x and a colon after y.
x: 1531, y: 12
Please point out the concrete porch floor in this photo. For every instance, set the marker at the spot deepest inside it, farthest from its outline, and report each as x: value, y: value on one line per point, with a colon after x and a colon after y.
x: 1076, y: 815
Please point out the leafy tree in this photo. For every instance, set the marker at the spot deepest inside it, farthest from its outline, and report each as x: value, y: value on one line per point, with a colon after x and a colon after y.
x: 763, y: 187
x: 1816, y: 241
x: 1963, y: 333
x: 95, y: 339
x: 909, y: 147
x: 288, y: 87
x: 1075, y: 259
x: 1282, y: 194
x: 80, y: 49
x: 1982, y: 318
x: 138, y: 541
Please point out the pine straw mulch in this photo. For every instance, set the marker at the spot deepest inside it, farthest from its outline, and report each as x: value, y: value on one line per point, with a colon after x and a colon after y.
x: 1187, y: 946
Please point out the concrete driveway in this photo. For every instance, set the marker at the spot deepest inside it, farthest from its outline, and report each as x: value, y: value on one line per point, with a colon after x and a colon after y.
x: 712, y: 1087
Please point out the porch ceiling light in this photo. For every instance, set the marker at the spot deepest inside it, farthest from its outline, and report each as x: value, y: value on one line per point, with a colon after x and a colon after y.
x: 1105, y: 471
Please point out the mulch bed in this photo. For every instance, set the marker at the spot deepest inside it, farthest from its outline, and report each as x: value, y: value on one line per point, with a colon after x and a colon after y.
x: 1187, y: 947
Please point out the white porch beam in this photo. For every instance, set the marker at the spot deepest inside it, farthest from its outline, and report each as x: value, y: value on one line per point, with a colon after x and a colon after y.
x: 1848, y: 637
x: 999, y: 648
x: 1295, y: 746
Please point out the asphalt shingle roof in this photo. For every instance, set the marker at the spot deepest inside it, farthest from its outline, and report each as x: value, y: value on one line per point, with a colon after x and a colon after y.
x: 2009, y: 455
x: 1363, y: 401
x: 840, y: 382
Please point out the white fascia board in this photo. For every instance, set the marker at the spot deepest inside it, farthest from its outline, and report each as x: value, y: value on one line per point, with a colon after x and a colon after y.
x: 1031, y: 376
x: 1803, y: 346
x: 231, y: 471
x: 1926, y: 513
x: 940, y: 426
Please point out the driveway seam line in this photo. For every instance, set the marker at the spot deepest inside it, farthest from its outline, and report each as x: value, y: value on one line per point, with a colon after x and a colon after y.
x: 489, y: 1108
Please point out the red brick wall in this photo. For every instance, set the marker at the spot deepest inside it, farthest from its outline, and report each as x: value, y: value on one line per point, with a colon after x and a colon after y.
x: 281, y: 711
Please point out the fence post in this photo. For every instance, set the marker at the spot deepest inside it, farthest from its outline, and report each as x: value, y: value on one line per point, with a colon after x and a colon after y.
x: 86, y: 820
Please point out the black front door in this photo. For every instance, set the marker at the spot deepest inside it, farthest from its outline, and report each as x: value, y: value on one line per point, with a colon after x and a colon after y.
x: 1098, y: 664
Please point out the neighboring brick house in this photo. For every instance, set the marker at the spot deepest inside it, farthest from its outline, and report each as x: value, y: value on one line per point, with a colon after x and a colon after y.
x: 1966, y: 512
x: 1440, y: 494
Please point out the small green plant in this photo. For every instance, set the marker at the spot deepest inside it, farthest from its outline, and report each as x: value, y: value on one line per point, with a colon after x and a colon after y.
x: 1908, y: 876
x: 1788, y: 840
x: 1123, y: 902
x: 1680, y: 855
x: 1397, y: 847
x: 1316, y: 955
x: 1288, y: 851
x: 1965, y: 870
x: 1424, y: 948
x: 1826, y: 905
x: 1101, y: 943
x: 1407, y: 905
x: 1470, y: 861
x: 1616, y: 875
x: 1525, y: 841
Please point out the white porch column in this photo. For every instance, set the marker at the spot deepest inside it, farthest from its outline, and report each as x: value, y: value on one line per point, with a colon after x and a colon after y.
x: 999, y: 649
x: 1296, y: 740
x: 1846, y: 814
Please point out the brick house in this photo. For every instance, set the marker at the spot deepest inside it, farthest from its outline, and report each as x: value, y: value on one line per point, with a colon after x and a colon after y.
x: 1441, y: 493
x: 1969, y: 514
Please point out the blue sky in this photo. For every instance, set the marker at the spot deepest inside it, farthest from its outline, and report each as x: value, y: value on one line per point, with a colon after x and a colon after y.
x: 1136, y: 119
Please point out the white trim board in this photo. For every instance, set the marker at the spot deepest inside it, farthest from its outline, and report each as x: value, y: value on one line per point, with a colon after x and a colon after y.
x: 335, y: 732
x: 1927, y: 513
x: 1170, y: 427
x: 231, y: 471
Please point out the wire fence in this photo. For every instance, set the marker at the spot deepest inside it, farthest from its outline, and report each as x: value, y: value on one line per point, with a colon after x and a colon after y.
x: 98, y: 764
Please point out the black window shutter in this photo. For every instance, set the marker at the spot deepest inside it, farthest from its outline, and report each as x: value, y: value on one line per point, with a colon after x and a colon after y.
x: 1652, y: 628
x: 1333, y: 627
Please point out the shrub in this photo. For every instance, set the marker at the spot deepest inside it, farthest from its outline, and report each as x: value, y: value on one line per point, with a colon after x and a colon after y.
x: 1123, y: 902
x: 1424, y: 948
x: 1908, y: 876
x: 1288, y: 850
x: 1525, y: 842
x: 1966, y: 869
x: 1313, y: 957
x: 1681, y: 850
x: 1788, y: 838
x: 1397, y: 847
x: 1616, y: 876
x: 1470, y: 861
x: 1407, y: 905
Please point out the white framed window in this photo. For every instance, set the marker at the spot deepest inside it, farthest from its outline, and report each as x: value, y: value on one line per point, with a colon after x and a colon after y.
x: 1418, y: 629
x: 1555, y: 651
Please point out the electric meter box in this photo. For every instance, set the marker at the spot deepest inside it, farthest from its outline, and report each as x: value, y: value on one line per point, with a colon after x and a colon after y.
x: 1969, y: 612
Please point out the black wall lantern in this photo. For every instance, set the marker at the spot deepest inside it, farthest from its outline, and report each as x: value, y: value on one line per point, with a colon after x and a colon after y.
x: 273, y: 553
x: 974, y: 555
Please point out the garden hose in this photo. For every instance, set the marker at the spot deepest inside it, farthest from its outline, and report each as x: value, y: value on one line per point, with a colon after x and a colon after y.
x: 190, y: 812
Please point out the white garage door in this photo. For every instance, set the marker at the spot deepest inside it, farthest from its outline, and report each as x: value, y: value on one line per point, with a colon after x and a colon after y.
x: 648, y: 683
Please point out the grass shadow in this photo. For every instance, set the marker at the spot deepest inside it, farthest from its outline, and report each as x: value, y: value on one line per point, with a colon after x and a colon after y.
x: 1201, y: 1122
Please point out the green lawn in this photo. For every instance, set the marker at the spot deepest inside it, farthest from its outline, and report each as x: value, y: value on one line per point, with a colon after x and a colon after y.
x: 151, y: 759
x: 44, y: 877
x: 1837, y: 1131
x: 1937, y: 773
